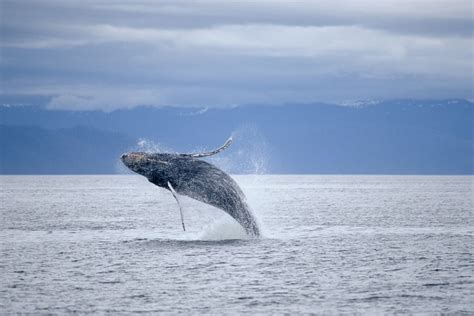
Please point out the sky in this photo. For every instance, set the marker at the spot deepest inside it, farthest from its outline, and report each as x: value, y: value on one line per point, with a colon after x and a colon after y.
x: 107, y: 54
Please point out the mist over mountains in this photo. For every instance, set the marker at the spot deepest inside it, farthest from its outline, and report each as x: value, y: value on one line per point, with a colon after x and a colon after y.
x: 391, y: 137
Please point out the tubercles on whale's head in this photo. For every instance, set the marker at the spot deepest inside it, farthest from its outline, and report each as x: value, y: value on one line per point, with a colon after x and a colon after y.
x: 145, y: 164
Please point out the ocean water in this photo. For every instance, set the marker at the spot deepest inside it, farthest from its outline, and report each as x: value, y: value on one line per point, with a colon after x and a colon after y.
x: 331, y: 244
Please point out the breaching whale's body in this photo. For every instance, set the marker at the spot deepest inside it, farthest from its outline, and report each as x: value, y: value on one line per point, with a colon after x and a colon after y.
x: 185, y: 174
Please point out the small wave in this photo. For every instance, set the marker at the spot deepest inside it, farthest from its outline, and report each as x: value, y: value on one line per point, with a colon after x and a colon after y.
x: 436, y: 284
x: 222, y: 229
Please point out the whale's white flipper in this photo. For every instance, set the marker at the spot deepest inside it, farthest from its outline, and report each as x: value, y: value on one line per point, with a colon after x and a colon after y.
x: 210, y: 153
x: 179, y: 204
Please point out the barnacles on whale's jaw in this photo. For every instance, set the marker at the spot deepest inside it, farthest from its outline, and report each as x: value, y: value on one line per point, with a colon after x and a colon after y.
x: 130, y: 159
x: 134, y: 161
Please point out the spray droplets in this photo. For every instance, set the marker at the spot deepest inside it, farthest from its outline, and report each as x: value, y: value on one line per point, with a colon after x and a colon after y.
x: 149, y: 146
x: 249, y: 155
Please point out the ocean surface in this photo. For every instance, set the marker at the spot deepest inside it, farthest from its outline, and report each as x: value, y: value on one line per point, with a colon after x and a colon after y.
x: 331, y: 244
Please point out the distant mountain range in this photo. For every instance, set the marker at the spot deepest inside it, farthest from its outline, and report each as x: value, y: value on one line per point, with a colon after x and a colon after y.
x: 391, y: 137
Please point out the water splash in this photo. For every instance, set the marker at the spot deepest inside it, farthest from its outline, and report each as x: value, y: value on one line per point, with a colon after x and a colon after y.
x: 223, y: 229
x: 249, y: 154
x: 149, y: 146
x: 120, y: 168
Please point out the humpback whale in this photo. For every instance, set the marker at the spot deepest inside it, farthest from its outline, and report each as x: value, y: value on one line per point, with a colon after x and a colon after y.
x: 187, y: 174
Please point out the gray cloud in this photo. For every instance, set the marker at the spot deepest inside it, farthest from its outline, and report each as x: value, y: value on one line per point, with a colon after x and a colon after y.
x: 101, y: 54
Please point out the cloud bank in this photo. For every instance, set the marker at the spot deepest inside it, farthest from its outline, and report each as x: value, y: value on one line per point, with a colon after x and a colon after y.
x: 107, y: 55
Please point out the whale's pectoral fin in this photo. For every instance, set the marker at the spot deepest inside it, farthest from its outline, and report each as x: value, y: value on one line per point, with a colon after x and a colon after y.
x: 179, y: 204
x: 210, y: 153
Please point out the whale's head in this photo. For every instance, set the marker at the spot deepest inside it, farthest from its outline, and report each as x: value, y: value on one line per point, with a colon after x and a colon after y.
x: 150, y: 165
